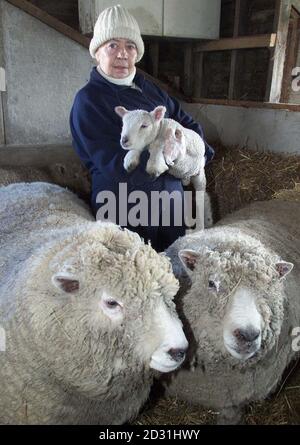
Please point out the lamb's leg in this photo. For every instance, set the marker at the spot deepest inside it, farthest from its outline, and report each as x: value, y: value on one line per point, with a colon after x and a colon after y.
x: 131, y: 160
x: 173, y: 148
x: 203, y: 203
x: 156, y: 164
x: 199, y: 183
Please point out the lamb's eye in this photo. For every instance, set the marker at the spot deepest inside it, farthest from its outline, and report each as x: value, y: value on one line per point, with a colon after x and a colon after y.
x: 211, y: 284
x: 144, y: 126
x: 111, y: 304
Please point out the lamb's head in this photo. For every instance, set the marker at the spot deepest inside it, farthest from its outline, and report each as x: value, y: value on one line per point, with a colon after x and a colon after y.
x: 237, y: 292
x: 106, y: 304
x: 140, y: 127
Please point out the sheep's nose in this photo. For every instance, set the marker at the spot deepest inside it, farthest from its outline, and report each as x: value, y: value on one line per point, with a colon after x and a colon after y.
x: 177, y: 354
x: 247, y: 335
x: 125, y: 140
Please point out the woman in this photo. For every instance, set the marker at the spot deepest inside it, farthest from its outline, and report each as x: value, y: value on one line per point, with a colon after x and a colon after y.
x: 117, y: 46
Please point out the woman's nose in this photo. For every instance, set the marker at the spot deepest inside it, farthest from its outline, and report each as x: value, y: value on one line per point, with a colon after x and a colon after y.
x: 122, y: 53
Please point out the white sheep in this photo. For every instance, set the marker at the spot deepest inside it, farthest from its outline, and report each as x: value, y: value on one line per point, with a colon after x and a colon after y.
x: 172, y: 148
x: 87, y: 312
x: 240, y: 306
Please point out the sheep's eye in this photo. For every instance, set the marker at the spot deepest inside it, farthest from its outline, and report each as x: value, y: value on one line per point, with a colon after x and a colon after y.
x: 211, y: 284
x: 144, y: 126
x: 111, y: 304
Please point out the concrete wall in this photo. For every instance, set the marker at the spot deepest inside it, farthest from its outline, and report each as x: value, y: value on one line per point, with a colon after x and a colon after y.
x: 44, y: 70
x: 2, y: 88
x: 255, y: 128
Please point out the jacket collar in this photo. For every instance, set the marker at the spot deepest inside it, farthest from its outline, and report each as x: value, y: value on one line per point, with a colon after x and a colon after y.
x: 96, y: 77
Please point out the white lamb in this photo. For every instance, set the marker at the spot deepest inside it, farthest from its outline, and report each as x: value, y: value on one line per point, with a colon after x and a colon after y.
x: 86, y: 309
x: 240, y: 302
x: 172, y: 148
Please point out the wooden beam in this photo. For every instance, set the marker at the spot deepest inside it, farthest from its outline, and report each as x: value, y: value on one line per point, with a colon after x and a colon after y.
x: 283, y: 12
x: 257, y: 41
x: 296, y: 4
x: 246, y: 104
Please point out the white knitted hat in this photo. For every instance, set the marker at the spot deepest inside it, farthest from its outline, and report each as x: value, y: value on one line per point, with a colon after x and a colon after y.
x: 116, y: 22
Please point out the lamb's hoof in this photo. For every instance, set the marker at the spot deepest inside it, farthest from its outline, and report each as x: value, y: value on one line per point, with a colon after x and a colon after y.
x: 129, y: 168
x: 152, y: 174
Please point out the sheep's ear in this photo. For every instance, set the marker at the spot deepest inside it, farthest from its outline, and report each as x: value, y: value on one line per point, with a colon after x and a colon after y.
x: 283, y: 268
x: 66, y: 283
x: 121, y: 111
x: 159, y: 112
x: 188, y: 259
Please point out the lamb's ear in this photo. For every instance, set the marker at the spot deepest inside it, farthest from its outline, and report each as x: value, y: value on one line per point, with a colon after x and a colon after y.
x: 159, y: 112
x: 188, y: 259
x: 283, y: 268
x: 66, y: 282
x: 121, y: 111
x: 178, y: 134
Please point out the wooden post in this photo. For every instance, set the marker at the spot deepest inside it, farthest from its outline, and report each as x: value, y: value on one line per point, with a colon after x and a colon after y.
x: 187, y: 71
x: 239, y: 24
x: 291, y: 56
x: 277, y: 56
x: 198, y: 75
x: 154, y: 57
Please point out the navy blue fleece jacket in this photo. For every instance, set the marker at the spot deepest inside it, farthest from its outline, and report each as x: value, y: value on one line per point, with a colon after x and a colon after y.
x: 96, y: 130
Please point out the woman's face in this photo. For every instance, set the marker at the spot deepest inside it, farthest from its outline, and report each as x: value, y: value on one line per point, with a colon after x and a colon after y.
x: 117, y: 57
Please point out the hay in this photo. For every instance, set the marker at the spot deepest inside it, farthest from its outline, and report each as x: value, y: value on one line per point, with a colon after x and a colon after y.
x: 238, y: 176
x: 282, y: 408
x: 74, y: 176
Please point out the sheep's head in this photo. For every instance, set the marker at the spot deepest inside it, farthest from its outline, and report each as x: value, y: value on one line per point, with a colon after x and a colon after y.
x: 106, y: 302
x: 140, y: 127
x: 239, y: 297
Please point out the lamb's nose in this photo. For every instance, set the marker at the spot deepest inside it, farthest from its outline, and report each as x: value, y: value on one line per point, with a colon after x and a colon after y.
x: 125, y: 140
x: 247, y: 335
x: 177, y: 354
